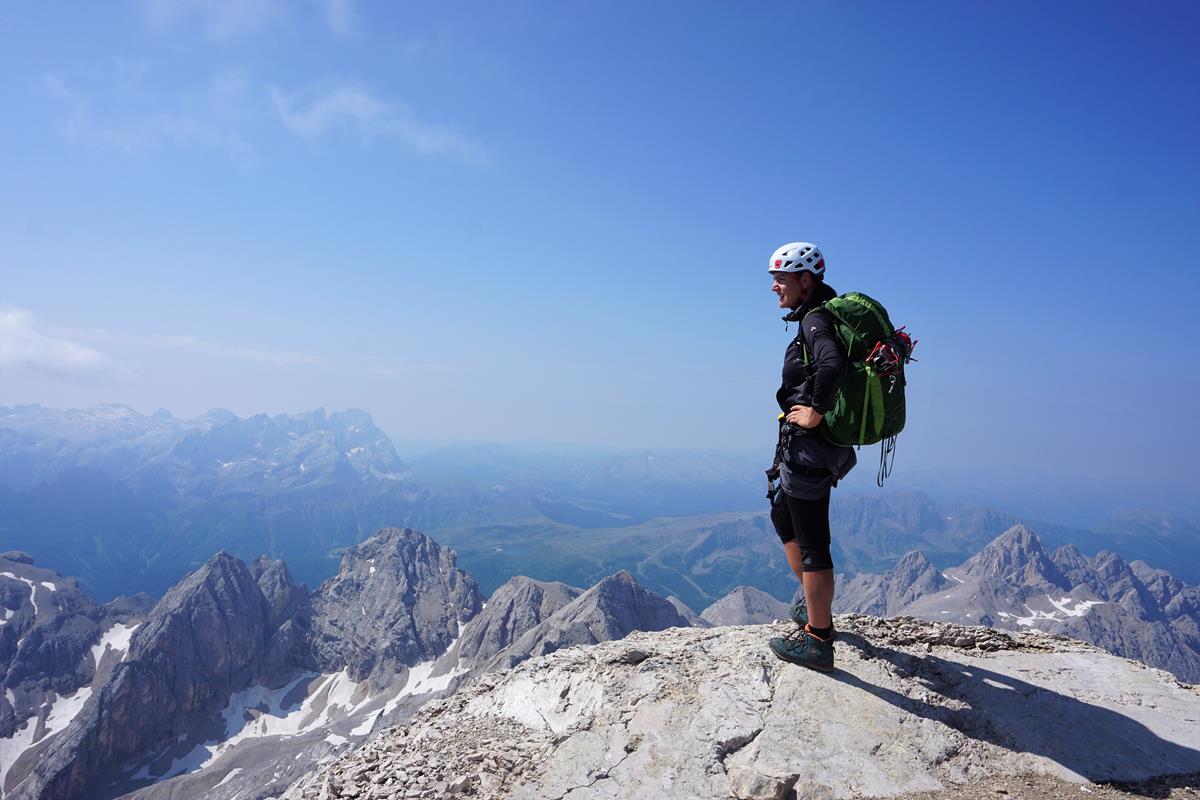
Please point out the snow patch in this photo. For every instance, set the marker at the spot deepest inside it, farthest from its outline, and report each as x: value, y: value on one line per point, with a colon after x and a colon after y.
x: 336, y: 740
x: 62, y: 711
x: 117, y: 639
x: 421, y: 681
x: 32, y: 589
x: 1081, y: 606
x: 66, y: 709
x: 1061, y: 606
x: 258, y: 712
x: 952, y: 578
x: 12, y: 747
x: 51, y: 586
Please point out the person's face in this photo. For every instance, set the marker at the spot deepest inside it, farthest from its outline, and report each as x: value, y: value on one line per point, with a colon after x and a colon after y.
x: 793, y: 288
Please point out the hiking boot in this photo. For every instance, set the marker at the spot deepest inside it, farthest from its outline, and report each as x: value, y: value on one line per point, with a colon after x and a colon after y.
x: 799, y: 614
x: 805, y: 649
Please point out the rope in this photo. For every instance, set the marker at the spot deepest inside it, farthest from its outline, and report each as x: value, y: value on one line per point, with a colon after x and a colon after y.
x: 887, y: 458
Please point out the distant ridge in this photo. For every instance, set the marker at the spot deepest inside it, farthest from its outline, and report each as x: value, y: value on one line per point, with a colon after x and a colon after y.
x: 1126, y: 608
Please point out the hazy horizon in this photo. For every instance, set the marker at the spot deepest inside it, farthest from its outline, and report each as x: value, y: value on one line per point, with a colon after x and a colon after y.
x: 1063, y: 501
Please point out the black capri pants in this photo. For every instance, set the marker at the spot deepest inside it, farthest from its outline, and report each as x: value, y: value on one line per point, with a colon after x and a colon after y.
x: 806, y: 522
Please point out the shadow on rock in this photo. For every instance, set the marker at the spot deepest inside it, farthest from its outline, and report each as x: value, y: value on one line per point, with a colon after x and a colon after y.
x: 1094, y: 742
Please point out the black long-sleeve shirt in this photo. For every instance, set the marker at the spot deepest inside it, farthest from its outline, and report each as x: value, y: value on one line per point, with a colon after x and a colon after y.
x: 816, y: 383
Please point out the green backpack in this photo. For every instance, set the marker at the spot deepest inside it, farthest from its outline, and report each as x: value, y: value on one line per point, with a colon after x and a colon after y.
x: 869, y: 406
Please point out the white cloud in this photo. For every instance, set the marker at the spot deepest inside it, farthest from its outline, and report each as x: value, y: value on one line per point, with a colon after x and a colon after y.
x: 339, y: 16
x: 193, y: 344
x: 227, y: 19
x: 209, y: 120
x: 23, y: 345
x: 220, y: 19
x: 314, y: 111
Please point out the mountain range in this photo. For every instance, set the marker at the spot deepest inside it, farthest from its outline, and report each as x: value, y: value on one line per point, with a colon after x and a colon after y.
x: 129, y: 502
x: 239, y: 679
x: 1014, y: 583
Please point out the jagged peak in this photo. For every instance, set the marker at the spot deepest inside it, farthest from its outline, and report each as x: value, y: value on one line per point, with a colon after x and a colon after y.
x: 1069, y: 550
x: 1017, y: 540
x: 391, y: 537
x: 914, y: 560
x: 223, y: 558
x: 1017, y: 554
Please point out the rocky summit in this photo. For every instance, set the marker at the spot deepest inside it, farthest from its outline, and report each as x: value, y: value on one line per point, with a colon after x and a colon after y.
x: 710, y: 713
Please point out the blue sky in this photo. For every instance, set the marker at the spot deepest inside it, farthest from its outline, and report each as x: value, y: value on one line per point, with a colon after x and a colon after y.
x: 550, y: 221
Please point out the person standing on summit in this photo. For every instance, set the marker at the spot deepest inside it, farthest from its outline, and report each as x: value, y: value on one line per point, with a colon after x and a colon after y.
x: 808, y: 464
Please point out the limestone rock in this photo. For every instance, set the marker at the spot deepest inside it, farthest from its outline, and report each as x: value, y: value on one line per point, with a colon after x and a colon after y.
x: 710, y: 713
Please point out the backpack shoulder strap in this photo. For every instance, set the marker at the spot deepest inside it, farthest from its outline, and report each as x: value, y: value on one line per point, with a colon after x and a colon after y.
x: 838, y: 324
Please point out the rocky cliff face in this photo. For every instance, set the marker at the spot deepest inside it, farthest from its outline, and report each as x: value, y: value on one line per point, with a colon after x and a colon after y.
x: 236, y: 662
x: 1131, y: 610
x: 56, y: 647
x: 697, y: 714
x: 398, y: 600
x: 206, y: 639
x: 239, y: 678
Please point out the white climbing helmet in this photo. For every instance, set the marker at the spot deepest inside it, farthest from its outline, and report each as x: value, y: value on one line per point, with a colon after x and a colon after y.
x: 797, y: 257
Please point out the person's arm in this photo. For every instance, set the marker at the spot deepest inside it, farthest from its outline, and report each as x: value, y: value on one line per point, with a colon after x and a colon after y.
x: 827, y: 363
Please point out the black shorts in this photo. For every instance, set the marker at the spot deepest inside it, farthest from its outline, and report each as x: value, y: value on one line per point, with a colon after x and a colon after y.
x: 806, y: 522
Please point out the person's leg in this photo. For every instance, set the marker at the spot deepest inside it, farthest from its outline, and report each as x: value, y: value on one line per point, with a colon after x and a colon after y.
x: 795, y: 560
x: 810, y: 519
x: 818, y: 594
x: 781, y: 518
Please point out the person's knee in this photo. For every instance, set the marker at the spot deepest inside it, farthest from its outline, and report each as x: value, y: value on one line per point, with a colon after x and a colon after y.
x: 815, y: 559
